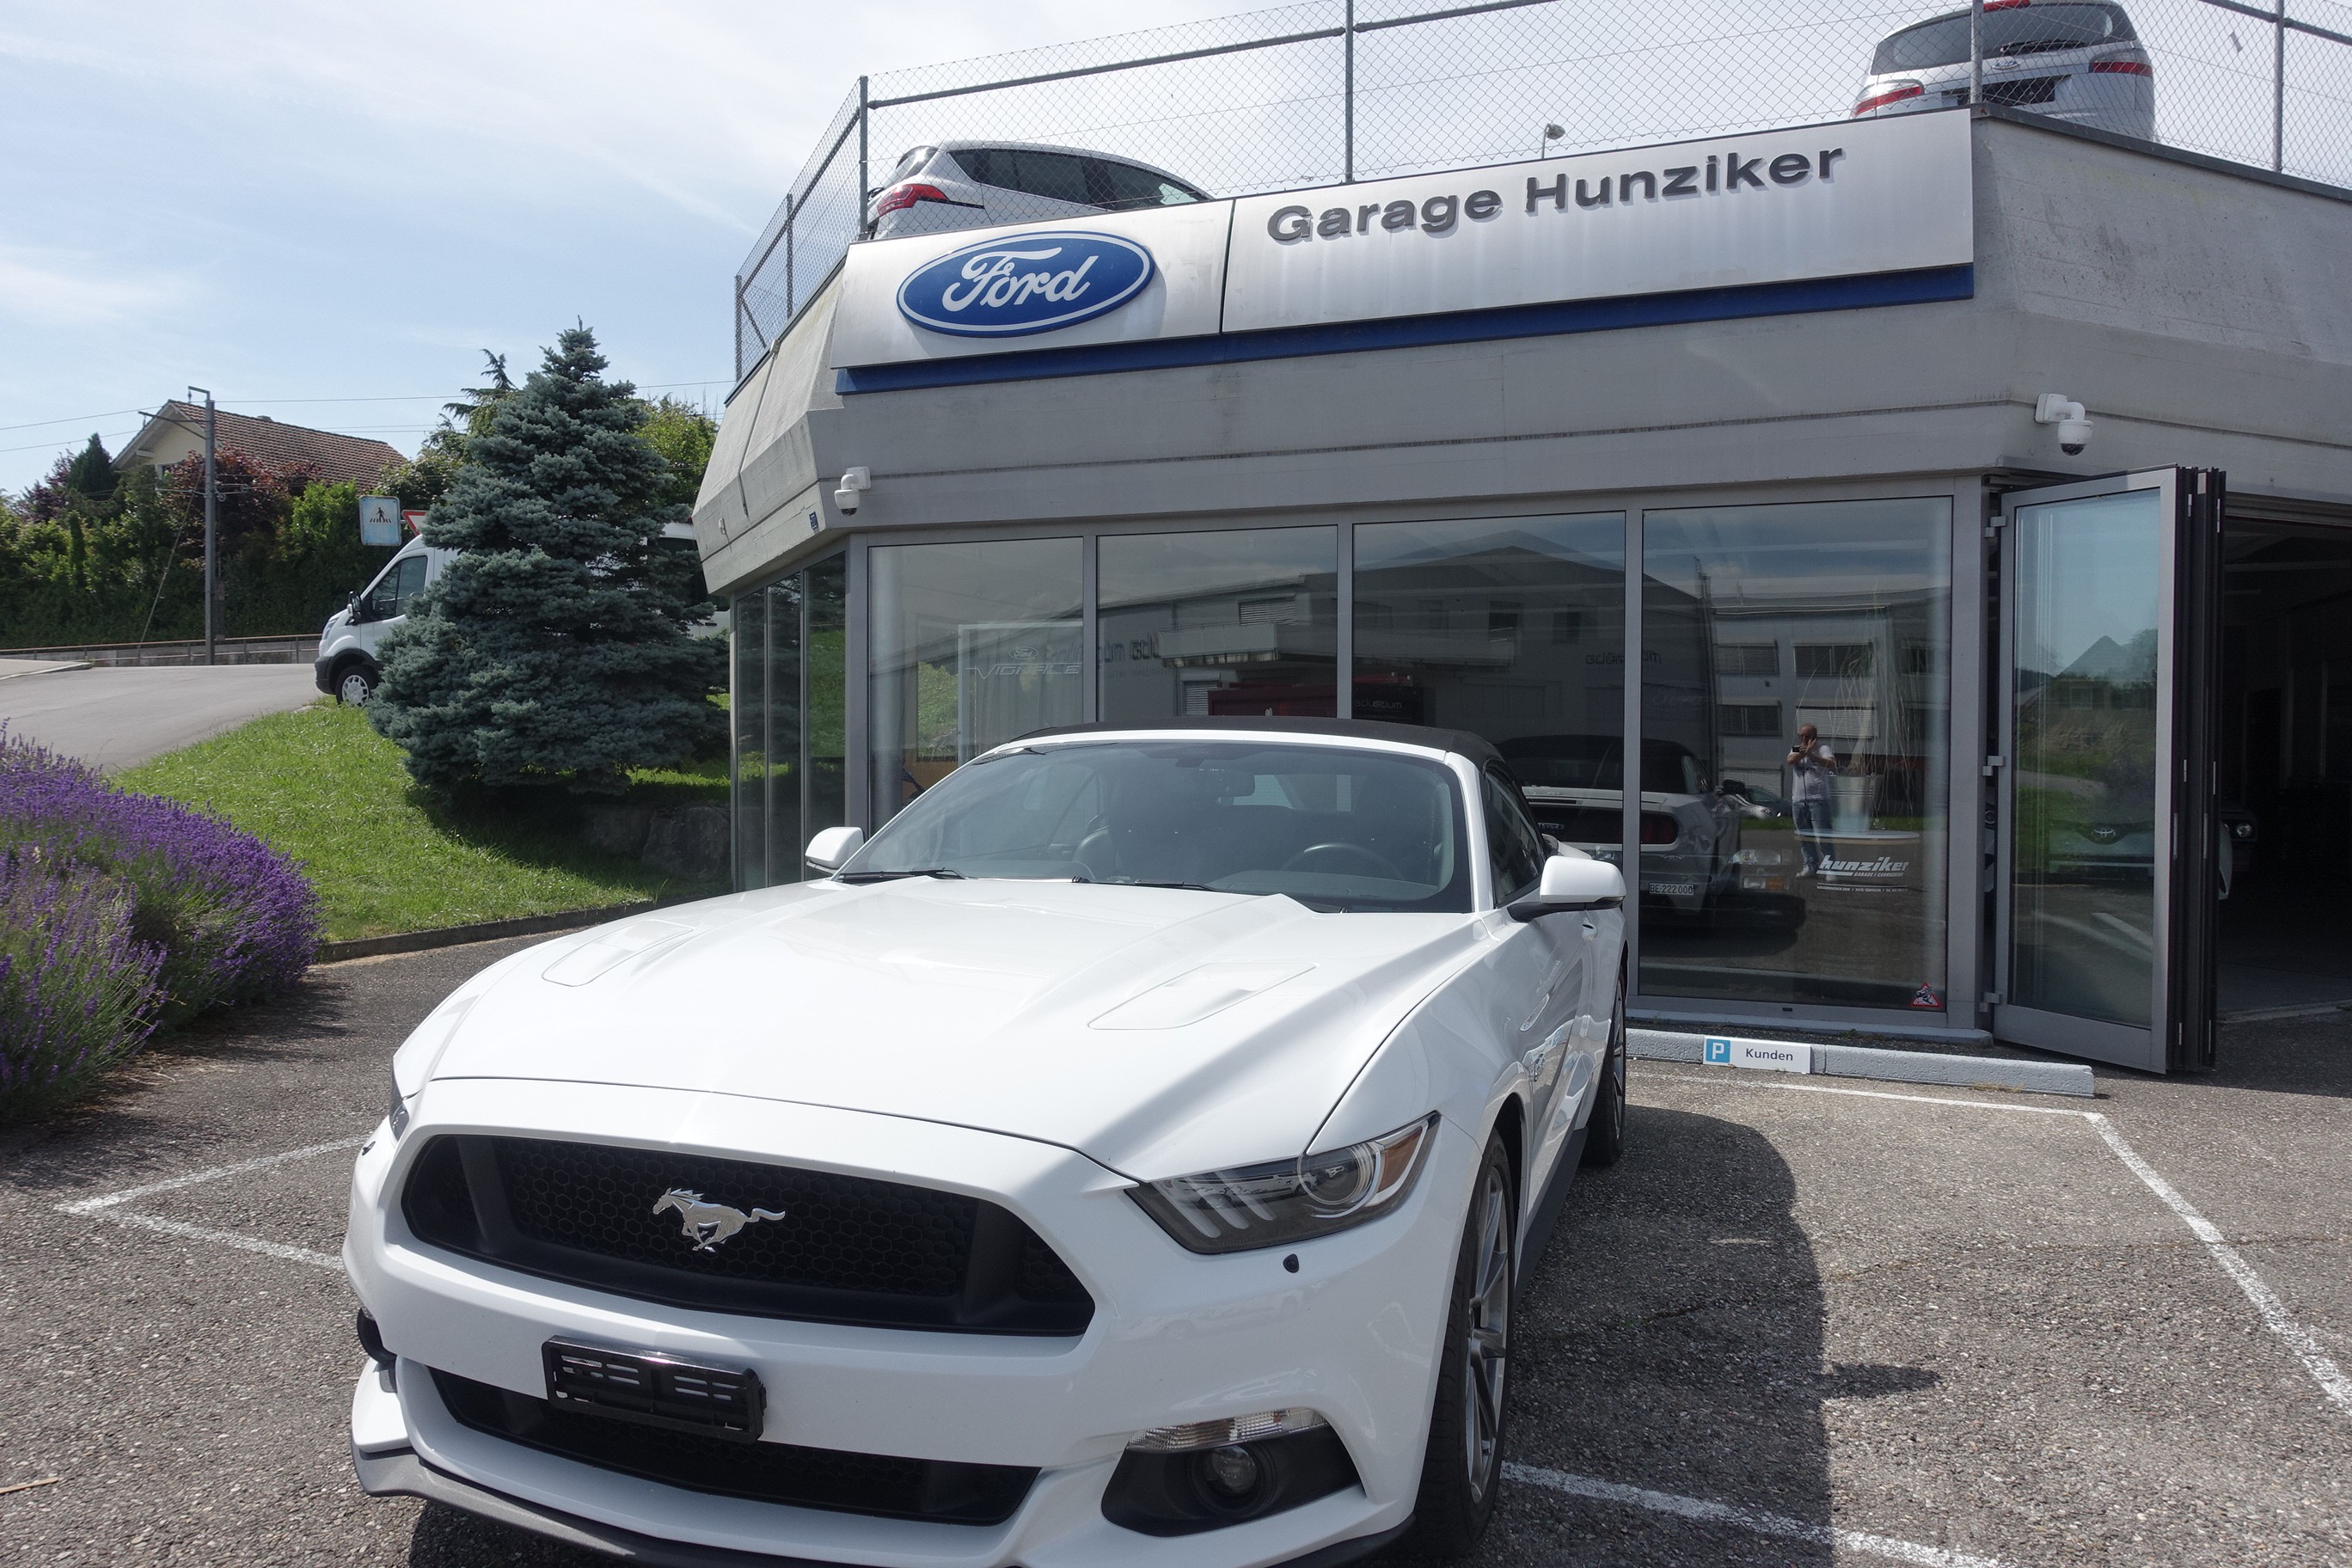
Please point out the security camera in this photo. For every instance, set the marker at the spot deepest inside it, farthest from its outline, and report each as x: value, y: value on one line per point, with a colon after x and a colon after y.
x: 853, y: 480
x: 2074, y: 426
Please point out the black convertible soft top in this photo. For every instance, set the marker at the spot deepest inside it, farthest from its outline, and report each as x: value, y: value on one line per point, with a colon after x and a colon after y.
x: 1460, y: 741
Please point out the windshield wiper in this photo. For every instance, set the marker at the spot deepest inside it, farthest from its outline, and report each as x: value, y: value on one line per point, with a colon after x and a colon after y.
x: 946, y: 873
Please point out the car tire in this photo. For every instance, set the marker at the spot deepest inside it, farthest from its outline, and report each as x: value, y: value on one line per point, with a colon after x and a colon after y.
x: 1462, y: 1468
x: 354, y: 685
x: 1604, y: 1133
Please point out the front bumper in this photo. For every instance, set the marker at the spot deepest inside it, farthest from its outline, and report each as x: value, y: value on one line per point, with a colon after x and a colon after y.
x: 1175, y: 1337
x: 319, y: 668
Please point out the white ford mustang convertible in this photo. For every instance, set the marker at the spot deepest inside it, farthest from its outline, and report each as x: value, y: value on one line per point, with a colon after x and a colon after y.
x: 1128, y: 1156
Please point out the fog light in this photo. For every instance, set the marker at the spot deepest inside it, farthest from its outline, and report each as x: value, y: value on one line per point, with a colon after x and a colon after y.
x: 1232, y: 1471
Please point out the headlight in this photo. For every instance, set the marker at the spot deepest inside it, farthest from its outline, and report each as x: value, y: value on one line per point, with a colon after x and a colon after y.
x: 1290, y: 1200
x: 398, y: 1114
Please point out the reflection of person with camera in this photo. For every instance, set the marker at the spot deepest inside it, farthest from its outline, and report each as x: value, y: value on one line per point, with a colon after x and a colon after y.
x: 1810, y: 763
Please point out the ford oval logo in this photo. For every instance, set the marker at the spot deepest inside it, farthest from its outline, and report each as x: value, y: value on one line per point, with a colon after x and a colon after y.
x: 1018, y: 284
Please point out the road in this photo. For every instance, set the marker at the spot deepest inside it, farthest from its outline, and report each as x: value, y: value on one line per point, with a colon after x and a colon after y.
x: 115, y: 718
x: 1805, y: 1321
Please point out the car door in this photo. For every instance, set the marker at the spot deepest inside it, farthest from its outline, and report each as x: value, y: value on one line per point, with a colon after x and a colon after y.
x: 1538, y: 980
x: 387, y: 598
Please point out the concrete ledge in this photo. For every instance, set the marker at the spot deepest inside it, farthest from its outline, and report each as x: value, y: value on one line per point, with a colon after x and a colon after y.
x: 485, y: 931
x: 1862, y: 1061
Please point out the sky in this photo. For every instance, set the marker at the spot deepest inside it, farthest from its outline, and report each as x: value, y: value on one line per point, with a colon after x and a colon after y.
x: 325, y: 212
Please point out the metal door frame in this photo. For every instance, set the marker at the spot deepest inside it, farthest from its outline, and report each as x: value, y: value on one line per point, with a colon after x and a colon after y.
x: 2161, y: 1045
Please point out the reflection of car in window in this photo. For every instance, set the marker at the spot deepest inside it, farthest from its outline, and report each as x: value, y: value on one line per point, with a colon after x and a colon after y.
x: 1689, y: 832
x: 973, y: 184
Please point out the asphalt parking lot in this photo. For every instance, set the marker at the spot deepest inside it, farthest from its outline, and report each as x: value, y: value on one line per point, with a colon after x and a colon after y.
x: 1804, y: 1322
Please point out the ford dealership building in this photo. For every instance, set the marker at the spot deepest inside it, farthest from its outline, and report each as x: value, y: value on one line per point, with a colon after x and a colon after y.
x: 1635, y: 463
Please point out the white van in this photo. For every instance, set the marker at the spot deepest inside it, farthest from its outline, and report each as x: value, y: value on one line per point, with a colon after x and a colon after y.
x: 348, y: 667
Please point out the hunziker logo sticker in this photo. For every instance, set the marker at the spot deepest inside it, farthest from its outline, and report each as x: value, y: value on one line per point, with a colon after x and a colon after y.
x: 1009, y: 287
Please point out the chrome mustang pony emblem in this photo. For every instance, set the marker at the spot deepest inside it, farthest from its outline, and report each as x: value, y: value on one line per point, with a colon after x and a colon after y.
x: 706, y: 1224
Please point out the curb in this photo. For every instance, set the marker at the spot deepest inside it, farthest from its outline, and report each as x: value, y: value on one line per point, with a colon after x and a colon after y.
x: 1862, y: 1061
x: 485, y: 931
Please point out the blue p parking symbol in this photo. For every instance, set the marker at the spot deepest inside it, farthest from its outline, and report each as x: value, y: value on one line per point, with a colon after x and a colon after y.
x: 1718, y: 1053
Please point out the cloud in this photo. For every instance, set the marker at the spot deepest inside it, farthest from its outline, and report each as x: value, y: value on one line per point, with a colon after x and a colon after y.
x: 60, y: 289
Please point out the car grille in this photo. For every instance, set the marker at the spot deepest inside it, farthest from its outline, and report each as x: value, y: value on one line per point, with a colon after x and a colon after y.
x: 847, y: 1249
x: 878, y: 1484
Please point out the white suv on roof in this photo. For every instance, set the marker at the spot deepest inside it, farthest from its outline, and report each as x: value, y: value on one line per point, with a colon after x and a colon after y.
x: 2076, y: 60
x: 979, y: 184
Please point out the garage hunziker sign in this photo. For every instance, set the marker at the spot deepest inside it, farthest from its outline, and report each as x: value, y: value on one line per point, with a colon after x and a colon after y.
x: 1852, y: 200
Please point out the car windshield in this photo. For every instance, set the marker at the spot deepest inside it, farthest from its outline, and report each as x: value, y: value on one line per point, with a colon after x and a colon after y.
x: 1336, y: 829
x: 2019, y: 30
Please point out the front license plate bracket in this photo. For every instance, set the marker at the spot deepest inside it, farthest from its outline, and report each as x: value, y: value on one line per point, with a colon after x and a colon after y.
x: 655, y: 1390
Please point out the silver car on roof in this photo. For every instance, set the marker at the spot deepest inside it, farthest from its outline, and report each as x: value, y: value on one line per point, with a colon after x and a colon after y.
x: 947, y: 186
x: 2076, y: 60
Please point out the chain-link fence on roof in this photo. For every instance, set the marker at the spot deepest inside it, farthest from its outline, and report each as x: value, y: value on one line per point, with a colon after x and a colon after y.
x: 1337, y: 90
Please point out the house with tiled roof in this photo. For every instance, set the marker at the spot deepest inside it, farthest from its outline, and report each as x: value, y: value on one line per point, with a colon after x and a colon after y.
x: 177, y: 430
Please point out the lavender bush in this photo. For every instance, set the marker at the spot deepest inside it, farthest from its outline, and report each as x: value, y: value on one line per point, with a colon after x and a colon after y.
x: 235, y: 920
x: 77, y: 992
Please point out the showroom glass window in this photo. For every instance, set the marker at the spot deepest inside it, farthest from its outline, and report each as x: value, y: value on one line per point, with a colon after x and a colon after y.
x: 1513, y: 628
x: 1762, y: 878
x: 971, y: 645
x: 785, y: 637
x: 826, y: 803
x: 1236, y: 622
x: 748, y: 628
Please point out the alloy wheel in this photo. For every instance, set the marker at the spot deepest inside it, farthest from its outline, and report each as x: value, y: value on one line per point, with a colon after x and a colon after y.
x: 355, y: 689
x: 1487, y: 1346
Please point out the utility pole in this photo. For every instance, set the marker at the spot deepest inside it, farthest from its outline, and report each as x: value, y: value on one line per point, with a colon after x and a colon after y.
x: 212, y: 493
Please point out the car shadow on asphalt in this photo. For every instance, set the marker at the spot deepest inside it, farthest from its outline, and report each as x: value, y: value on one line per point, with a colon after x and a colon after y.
x: 1672, y: 1339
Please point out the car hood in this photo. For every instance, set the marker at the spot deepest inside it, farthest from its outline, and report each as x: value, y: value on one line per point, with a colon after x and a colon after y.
x: 1158, y: 1031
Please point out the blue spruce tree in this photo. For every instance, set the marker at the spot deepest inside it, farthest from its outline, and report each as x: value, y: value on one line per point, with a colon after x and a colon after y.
x: 553, y: 651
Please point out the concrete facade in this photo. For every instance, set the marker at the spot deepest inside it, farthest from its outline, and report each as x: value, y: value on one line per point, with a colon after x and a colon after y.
x: 2196, y: 312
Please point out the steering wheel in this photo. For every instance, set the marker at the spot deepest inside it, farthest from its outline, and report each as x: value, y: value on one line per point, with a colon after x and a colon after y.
x: 1354, y: 856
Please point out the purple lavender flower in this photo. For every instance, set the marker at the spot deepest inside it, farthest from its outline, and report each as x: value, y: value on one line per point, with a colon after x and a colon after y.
x: 235, y: 921
x: 77, y: 992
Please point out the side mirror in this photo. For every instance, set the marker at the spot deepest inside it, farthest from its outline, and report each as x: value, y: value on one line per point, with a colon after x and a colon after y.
x: 1572, y: 882
x: 830, y: 848
x: 354, y: 610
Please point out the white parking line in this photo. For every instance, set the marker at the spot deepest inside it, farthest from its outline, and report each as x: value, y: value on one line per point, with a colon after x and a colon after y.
x: 108, y: 1205
x: 1755, y: 1519
x: 2333, y: 1385
x: 230, y: 1238
x: 92, y: 1205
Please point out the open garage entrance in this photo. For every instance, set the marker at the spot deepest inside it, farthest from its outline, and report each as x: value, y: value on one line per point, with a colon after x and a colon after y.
x: 2286, y: 753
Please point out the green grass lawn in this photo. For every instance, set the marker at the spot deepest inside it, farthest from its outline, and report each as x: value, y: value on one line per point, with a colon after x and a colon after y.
x: 322, y: 787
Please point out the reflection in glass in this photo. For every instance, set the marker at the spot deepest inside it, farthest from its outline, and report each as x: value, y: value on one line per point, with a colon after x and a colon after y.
x: 2082, y: 911
x: 784, y: 835
x: 1231, y: 622
x: 828, y: 676
x: 1514, y: 629
x: 1795, y: 697
x: 972, y: 644
x: 749, y: 623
